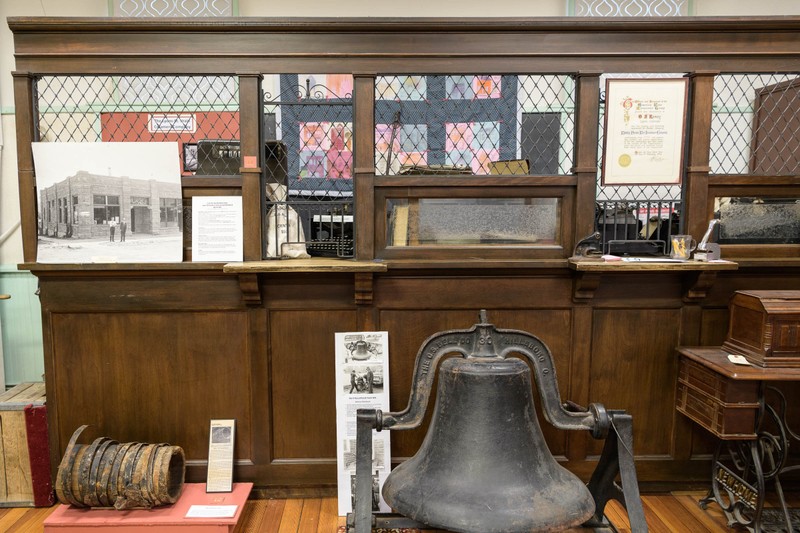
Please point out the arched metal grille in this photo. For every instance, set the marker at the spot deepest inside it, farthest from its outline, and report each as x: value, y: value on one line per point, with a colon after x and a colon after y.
x: 308, y: 139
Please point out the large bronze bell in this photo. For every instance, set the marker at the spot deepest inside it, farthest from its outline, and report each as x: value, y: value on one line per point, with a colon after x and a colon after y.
x: 484, y: 465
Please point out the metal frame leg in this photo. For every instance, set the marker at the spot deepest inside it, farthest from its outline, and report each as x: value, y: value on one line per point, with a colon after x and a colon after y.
x: 360, y: 521
x: 617, y: 458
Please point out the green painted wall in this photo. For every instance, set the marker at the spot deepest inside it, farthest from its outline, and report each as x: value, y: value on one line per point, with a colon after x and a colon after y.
x: 21, y: 322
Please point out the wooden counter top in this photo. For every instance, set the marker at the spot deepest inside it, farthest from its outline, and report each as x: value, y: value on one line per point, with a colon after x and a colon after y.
x: 717, y: 360
x: 316, y: 264
x: 593, y: 265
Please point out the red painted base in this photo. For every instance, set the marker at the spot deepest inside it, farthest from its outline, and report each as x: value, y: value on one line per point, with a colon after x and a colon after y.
x: 172, y: 518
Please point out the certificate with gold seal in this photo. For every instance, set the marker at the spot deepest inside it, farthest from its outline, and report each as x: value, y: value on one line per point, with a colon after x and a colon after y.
x: 645, y: 123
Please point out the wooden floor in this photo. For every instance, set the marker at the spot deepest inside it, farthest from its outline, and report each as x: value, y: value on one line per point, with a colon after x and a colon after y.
x: 674, y: 512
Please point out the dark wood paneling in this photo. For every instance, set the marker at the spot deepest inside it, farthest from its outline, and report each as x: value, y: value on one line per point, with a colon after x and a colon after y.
x: 152, y: 377
x: 141, y: 293
x: 155, y: 365
x: 634, y: 368
x: 302, y: 382
x: 308, y: 291
x: 640, y: 290
x: 473, y: 292
x: 714, y: 327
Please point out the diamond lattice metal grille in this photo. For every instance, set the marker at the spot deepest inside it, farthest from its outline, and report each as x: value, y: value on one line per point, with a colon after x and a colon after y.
x: 308, y: 134
x: 755, y: 124
x: 200, y: 113
x: 466, y: 124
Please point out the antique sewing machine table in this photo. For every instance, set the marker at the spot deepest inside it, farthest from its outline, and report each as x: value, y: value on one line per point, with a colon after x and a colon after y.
x: 742, y: 407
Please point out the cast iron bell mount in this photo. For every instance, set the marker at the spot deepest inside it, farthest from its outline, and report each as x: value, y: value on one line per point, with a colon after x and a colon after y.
x: 484, y: 466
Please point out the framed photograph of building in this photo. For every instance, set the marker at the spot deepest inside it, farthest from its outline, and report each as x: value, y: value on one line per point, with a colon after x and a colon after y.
x: 645, y: 124
x: 108, y: 202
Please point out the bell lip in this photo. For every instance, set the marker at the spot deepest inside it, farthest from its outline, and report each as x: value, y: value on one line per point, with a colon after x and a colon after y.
x: 496, y: 527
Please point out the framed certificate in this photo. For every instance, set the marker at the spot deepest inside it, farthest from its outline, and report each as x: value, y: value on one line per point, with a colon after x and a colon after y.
x: 645, y: 123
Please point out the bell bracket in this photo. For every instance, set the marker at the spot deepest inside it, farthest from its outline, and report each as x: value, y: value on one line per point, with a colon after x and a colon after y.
x: 485, y: 342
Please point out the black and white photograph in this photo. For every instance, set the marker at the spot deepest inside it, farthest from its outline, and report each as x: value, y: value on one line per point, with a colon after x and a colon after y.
x: 108, y: 202
x: 364, y: 379
x: 349, y: 454
x: 376, y: 500
x: 220, y: 434
x: 362, y: 347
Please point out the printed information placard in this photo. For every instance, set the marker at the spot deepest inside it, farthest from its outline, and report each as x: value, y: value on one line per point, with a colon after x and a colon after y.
x: 221, y: 438
x: 217, y: 230
x: 362, y: 382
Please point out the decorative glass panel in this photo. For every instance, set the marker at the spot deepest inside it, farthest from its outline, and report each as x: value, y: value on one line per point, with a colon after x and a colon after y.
x: 758, y: 220
x: 473, y: 221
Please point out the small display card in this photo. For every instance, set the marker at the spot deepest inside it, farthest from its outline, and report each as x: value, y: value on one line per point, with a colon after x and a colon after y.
x: 220, y: 456
x: 211, y: 511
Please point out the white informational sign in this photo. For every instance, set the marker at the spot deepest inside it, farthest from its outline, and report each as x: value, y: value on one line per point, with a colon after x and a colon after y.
x: 362, y: 382
x: 221, y: 439
x: 217, y: 230
x: 644, y: 131
x: 212, y: 511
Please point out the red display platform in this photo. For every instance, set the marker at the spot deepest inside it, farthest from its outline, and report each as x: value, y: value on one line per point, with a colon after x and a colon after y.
x: 166, y: 519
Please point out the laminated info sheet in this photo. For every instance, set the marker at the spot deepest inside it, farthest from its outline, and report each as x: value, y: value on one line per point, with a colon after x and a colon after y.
x: 362, y: 382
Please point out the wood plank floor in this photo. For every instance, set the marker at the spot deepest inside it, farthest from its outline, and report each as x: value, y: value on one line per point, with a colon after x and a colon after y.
x: 676, y: 512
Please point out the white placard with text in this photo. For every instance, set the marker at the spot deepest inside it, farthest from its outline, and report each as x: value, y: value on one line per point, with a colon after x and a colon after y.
x: 362, y: 382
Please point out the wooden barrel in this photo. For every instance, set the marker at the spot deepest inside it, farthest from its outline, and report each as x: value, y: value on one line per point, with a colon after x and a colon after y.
x: 132, y: 475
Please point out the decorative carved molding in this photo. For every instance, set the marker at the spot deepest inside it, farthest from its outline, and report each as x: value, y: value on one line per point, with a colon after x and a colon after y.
x: 251, y: 289
x: 363, y: 288
x: 584, y: 286
x: 698, y: 284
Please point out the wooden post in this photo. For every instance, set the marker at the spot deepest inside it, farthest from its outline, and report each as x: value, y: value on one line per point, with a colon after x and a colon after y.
x: 24, y: 100
x: 587, y: 116
x: 695, y: 190
x: 364, y: 164
x: 250, y: 137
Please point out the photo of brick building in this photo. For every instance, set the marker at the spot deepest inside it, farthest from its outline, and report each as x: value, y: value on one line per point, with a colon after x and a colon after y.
x: 84, y: 205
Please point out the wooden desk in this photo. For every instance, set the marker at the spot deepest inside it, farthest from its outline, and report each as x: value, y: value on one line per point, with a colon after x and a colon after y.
x: 729, y: 401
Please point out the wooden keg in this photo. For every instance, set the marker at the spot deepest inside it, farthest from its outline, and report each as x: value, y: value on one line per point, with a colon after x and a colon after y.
x: 131, y: 475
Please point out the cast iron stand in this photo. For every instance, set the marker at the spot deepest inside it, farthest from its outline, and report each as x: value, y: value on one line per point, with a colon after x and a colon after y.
x: 741, y: 470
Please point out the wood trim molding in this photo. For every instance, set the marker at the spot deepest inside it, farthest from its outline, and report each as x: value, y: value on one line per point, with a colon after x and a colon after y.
x: 251, y: 289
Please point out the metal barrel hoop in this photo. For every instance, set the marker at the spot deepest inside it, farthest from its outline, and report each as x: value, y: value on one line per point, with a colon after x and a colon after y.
x: 92, y: 496
x: 64, y: 475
